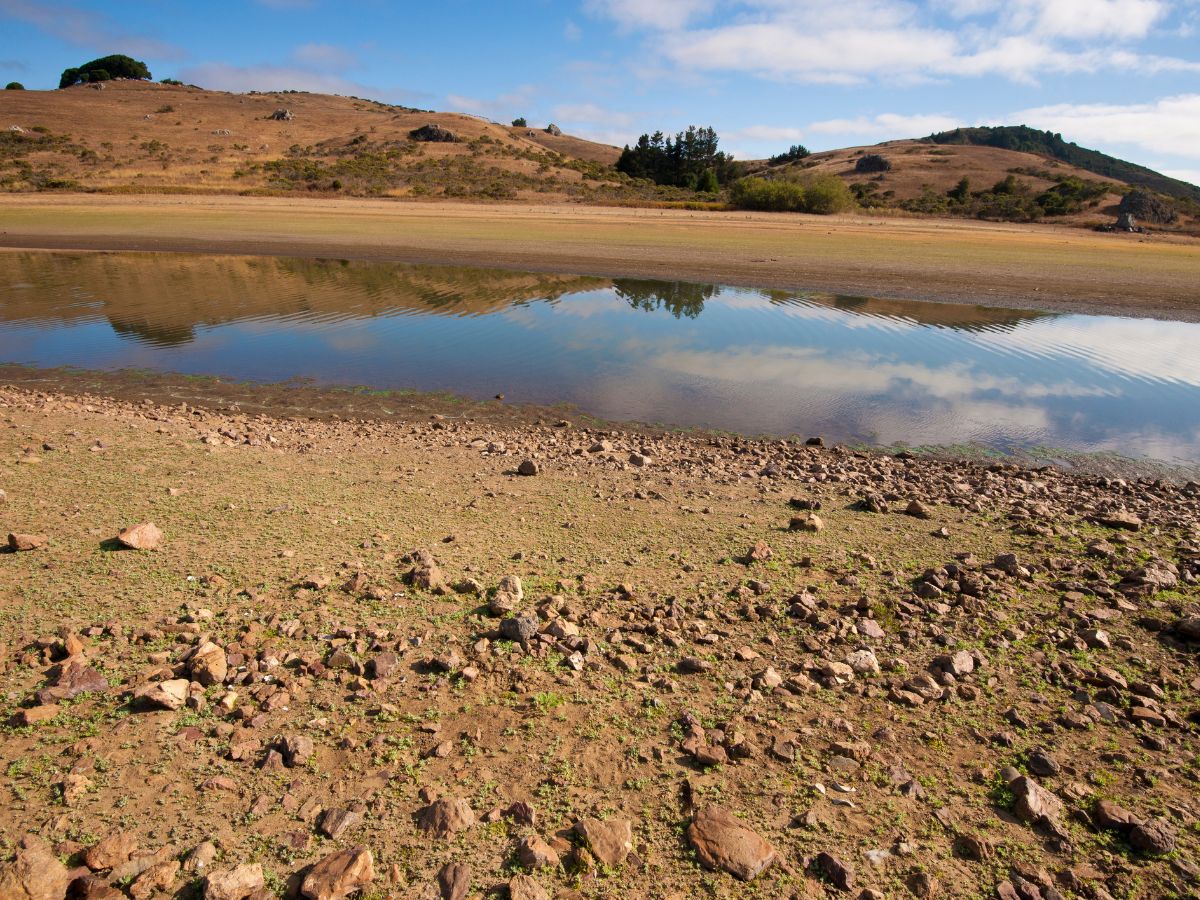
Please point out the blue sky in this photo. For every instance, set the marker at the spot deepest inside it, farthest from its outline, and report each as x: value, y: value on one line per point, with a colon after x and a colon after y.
x: 1119, y: 75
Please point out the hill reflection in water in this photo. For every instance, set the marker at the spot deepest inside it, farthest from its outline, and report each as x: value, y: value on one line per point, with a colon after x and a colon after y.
x: 781, y: 362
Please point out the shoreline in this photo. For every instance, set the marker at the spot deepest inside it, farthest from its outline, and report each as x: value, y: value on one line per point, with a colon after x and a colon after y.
x: 309, y: 401
x: 1043, y: 267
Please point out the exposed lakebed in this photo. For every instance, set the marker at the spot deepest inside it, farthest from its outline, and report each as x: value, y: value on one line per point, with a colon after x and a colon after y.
x: 754, y: 361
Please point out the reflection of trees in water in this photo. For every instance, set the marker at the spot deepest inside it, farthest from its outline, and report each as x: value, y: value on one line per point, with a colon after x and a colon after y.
x: 680, y: 298
x: 150, y: 334
x: 955, y: 316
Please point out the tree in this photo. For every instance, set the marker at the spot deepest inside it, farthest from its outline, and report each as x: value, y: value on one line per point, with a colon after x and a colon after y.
x: 14, y: 86
x: 707, y: 183
x: 115, y: 66
x: 680, y: 161
x: 520, y: 123
x: 793, y: 154
x: 961, y: 192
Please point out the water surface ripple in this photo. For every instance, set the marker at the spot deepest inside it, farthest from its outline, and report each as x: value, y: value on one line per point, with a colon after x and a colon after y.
x: 753, y: 361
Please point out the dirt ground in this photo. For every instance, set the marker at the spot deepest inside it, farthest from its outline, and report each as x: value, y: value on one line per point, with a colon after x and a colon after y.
x: 939, y: 679
x: 1042, y: 267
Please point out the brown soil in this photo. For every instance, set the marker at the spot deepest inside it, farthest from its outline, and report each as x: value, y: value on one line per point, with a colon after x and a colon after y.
x: 1039, y: 267
x: 705, y: 630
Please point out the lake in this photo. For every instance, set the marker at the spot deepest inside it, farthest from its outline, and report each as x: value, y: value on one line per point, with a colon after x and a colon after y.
x: 880, y: 372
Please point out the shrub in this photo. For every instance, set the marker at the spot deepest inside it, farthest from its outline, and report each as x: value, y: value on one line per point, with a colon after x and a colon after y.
x: 768, y: 195
x: 872, y: 162
x: 116, y: 66
x: 14, y: 86
x: 173, y: 81
x: 707, y: 182
x: 826, y: 194
x: 520, y: 122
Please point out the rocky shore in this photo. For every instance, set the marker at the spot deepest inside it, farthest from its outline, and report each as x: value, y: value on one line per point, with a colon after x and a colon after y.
x: 248, y: 657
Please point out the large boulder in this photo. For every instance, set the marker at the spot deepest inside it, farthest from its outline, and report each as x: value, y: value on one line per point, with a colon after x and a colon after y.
x: 722, y: 841
x: 339, y: 875
x: 433, y: 134
x: 1147, y: 207
x: 34, y: 874
x: 281, y: 115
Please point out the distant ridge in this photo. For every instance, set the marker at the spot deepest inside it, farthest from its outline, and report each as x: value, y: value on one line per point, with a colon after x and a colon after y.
x: 1024, y: 139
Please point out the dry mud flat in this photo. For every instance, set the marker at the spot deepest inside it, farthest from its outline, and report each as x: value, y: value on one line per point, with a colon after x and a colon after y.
x: 252, y: 657
x: 1024, y: 266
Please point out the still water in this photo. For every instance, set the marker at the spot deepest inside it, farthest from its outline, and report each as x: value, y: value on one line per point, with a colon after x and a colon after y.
x: 753, y: 361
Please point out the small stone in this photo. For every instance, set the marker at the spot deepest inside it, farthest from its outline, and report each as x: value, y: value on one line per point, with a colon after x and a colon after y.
x: 208, y: 664
x: 454, y: 881
x: 143, y: 536
x: 1155, y: 837
x: 237, y: 883
x: 523, y: 887
x: 169, y: 695
x: 111, y: 851
x: 21, y: 543
x: 918, y: 510
x: 336, y: 821
x: 839, y: 874
x: 609, y: 841
x: 534, y: 853
x: 811, y: 523
x: 446, y: 817
x: 339, y: 875
x: 528, y: 468
x: 1033, y: 803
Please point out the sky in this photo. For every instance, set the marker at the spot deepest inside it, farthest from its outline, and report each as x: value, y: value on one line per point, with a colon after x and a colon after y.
x: 1122, y: 76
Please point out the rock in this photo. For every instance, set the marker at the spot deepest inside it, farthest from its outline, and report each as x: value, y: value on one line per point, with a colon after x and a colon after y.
x: 110, y: 851
x: 863, y: 662
x: 34, y: 873
x: 208, y: 664
x: 1155, y: 837
x: 296, y: 749
x: 609, y: 841
x: 553, y: 129
x: 237, y: 883
x: 1113, y: 817
x: 1032, y: 803
x: 957, y: 664
x: 163, y: 694
x: 521, y: 628
x: 143, y: 536
x: 534, y: 853
x: 454, y: 881
x: 811, y: 523
x: 339, y: 875
x: 425, y: 573
x: 446, y: 817
x: 1041, y: 763
x: 760, y: 552
x: 522, y: 887
x: 281, y: 115
x: 200, y: 858
x: 433, y: 134
x: 1147, y: 207
x: 836, y: 872
x: 158, y: 877
x: 918, y: 510
x: 1122, y: 520
x: 528, y: 467
x: 336, y: 821
x: 722, y: 841
x: 72, y: 677
x: 383, y: 665
x: 21, y: 543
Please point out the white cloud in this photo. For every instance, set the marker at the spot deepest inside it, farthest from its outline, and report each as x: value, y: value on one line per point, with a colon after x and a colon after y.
x: 662, y: 14
x: 572, y: 32
x: 325, y: 56
x: 1191, y: 176
x: 86, y: 29
x: 851, y: 41
x: 226, y: 77
x: 1167, y: 126
x: 763, y: 133
x: 512, y: 103
x: 887, y: 126
x: 591, y: 115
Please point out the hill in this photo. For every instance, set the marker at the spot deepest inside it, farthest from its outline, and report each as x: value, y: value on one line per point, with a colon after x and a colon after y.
x: 146, y: 137
x: 142, y: 137
x: 1029, y: 140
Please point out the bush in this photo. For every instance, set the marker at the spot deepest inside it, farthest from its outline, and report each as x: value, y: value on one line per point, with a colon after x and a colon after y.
x: 14, y: 86
x: 520, y: 123
x: 707, y: 182
x: 116, y: 66
x: 173, y: 81
x: 827, y: 194
x: 872, y: 162
x: 767, y: 195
